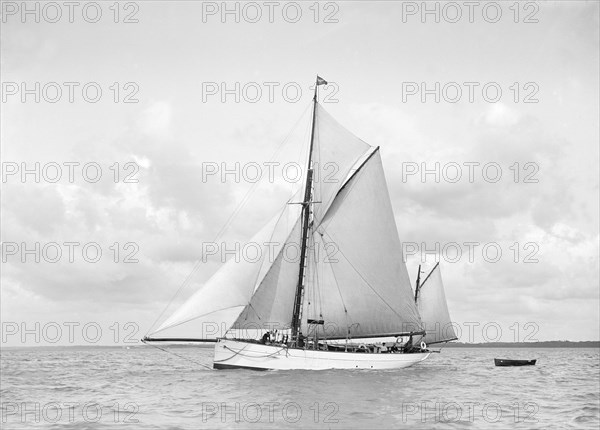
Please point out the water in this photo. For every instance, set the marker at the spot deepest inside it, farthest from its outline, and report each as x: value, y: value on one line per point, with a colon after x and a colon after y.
x: 144, y: 388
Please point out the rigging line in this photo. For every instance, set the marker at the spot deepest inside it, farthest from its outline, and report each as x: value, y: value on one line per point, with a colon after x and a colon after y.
x: 233, y: 326
x: 255, y: 185
x: 249, y: 305
x: 317, y: 289
x: 255, y: 311
x: 270, y: 241
x: 180, y: 356
x: 302, y: 156
x: 314, y: 294
x: 338, y: 286
x: 229, y: 220
x: 250, y: 191
x: 245, y: 355
x: 317, y: 152
x: 365, y: 281
x: 341, y: 298
x: 216, y: 310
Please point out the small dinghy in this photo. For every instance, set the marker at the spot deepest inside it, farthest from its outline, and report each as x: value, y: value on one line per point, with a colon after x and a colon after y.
x: 505, y: 362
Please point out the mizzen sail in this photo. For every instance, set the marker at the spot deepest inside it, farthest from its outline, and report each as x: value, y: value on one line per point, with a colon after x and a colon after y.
x: 433, y: 308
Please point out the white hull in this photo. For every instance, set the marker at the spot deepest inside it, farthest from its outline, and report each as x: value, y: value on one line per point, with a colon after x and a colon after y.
x: 238, y: 354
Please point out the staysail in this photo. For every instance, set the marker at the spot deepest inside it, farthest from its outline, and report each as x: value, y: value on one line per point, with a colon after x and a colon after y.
x: 271, y: 305
x: 433, y: 309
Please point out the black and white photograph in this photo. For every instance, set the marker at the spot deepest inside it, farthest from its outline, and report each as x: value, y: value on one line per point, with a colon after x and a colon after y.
x: 300, y: 214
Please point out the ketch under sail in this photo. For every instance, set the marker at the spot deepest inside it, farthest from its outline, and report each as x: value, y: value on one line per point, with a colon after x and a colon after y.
x: 348, y: 280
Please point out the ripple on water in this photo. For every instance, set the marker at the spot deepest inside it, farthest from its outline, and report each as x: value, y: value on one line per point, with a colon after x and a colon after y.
x: 165, y: 391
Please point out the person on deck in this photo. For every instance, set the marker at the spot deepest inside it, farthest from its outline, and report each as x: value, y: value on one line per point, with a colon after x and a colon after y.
x: 265, y: 338
x: 300, y: 340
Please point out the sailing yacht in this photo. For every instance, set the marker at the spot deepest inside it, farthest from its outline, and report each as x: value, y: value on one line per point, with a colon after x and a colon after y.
x: 321, y: 310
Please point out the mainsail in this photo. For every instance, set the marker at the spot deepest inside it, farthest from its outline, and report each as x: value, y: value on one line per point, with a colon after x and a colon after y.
x: 433, y: 309
x: 360, y: 286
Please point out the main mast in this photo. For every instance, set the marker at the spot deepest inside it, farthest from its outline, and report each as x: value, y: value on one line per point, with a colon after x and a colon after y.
x: 305, y: 225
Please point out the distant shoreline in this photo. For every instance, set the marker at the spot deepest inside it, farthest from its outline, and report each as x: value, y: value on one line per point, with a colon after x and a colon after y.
x: 540, y: 344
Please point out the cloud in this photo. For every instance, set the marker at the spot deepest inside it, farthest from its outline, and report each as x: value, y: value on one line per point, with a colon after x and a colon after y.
x: 155, y: 120
x: 500, y: 115
x: 170, y: 133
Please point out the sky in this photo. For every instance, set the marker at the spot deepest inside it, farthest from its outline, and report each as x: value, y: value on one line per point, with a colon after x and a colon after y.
x: 162, y: 116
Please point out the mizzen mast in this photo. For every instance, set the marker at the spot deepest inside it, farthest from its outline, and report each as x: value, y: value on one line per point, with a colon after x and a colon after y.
x: 418, y: 284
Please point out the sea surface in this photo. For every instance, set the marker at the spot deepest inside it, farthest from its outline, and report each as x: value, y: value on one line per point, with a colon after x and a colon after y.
x: 146, y: 388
